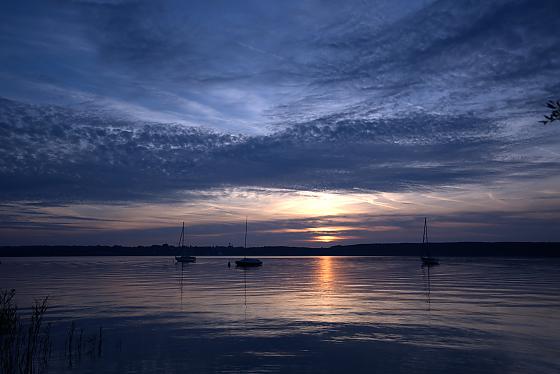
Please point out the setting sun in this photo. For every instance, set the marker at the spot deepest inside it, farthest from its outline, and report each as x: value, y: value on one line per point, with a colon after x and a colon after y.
x: 326, y: 238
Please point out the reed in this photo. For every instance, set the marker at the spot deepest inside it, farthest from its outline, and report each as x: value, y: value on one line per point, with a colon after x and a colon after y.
x: 26, y: 343
x: 25, y: 348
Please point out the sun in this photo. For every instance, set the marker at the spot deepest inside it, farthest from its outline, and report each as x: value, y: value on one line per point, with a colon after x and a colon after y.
x: 326, y: 238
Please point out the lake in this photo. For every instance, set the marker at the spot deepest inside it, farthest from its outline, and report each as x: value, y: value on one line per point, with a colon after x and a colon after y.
x: 312, y: 314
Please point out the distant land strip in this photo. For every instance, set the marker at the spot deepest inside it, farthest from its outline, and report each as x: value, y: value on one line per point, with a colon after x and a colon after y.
x: 457, y: 249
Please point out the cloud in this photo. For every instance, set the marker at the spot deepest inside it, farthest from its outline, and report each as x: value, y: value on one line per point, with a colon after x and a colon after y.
x: 251, y: 66
x: 56, y: 153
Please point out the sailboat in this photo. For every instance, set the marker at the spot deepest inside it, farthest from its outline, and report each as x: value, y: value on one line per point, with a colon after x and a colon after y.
x: 183, y: 258
x: 248, y: 262
x: 427, y: 259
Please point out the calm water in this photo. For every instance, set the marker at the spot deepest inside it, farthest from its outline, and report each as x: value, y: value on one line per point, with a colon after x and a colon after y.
x: 317, y: 314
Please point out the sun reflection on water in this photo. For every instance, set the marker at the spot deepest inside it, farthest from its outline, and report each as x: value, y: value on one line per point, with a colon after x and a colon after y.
x: 325, y: 274
x: 325, y: 302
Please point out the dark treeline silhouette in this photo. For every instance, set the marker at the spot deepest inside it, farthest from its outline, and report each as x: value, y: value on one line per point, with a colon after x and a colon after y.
x: 457, y: 249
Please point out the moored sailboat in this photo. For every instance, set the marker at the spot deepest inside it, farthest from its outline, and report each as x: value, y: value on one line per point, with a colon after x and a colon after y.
x: 248, y: 262
x: 183, y: 258
x: 427, y: 259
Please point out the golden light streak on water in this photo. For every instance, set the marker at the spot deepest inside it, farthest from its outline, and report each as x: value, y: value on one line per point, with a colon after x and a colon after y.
x: 325, y: 272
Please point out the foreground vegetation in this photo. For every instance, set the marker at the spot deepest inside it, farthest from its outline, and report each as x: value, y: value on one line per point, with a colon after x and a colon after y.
x: 24, y: 348
x: 26, y: 343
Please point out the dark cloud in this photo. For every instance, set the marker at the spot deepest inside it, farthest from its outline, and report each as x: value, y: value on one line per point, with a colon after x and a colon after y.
x: 56, y: 154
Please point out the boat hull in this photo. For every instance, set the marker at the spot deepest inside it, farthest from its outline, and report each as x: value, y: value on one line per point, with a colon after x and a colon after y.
x: 248, y: 262
x: 185, y: 259
x: 429, y: 261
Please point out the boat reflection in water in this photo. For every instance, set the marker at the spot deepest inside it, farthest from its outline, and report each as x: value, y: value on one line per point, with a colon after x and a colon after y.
x: 427, y: 284
x: 246, y: 271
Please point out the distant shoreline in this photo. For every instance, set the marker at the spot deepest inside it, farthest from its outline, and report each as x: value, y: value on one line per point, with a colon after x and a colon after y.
x: 451, y: 249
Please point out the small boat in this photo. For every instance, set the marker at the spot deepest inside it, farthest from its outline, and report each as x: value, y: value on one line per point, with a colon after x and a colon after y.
x: 427, y: 259
x: 248, y: 262
x: 183, y: 258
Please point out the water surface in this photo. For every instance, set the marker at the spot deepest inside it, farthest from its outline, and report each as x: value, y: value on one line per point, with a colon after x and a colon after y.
x: 314, y: 314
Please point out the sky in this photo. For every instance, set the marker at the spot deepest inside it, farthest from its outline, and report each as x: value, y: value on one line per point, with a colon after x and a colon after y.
x: 323, y: 122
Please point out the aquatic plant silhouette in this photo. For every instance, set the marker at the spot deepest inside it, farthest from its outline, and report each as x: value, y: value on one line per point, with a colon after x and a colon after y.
x: 92, y: 345
x: 25, y: 349
x: 26, y: 345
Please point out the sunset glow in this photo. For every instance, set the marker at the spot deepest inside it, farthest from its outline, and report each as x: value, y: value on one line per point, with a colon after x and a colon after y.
x: 284, y: 216
x: 326, y: 238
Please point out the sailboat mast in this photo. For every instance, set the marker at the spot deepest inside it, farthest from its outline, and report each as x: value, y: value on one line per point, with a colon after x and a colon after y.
x: 180, y: 243
x: 425, y: 237
x: 245, y: 246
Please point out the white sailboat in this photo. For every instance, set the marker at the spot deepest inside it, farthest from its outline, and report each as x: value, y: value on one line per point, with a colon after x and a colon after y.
x: 183, y: 258
x: 248, y: 262
x: 427, y: 259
